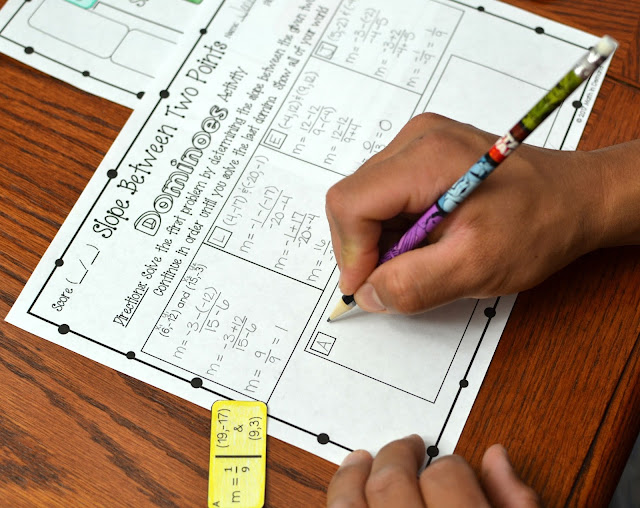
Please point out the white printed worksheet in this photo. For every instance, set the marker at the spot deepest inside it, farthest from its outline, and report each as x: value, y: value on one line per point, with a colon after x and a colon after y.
x: 111, y: 48
x: 198, y: 258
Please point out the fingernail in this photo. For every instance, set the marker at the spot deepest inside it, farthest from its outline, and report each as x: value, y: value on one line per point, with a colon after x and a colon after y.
x: 367, y: 299
x: 354, y: 457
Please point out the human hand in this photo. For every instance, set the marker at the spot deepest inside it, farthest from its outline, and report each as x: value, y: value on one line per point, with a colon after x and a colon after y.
x: 539, y: 211
x: 390, y: 480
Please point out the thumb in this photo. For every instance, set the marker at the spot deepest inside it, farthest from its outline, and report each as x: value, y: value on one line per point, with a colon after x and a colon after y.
x: 501, y: 483
x: 418, y: 280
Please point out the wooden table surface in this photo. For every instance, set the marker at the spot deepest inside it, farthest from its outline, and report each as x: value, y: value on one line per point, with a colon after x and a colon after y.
x: 562, y: 393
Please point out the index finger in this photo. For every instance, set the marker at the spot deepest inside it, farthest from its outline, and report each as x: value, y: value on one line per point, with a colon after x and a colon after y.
x: 413, y: 129
x: 450, y: 481
x: 409, y: 181
x: 394, y: 475
x: 347, y: 485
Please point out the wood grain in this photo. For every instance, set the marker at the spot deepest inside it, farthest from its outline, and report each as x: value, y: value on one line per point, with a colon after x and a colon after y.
x: 562, y: 393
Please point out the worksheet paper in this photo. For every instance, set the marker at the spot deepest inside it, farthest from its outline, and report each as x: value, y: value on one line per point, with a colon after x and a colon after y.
x: 198, y: 258
x: 111, y: 48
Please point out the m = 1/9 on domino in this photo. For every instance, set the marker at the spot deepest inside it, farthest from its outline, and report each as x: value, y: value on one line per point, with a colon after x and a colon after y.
x: 237, y: 465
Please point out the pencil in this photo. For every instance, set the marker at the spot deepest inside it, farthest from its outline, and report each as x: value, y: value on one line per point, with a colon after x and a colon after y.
x: 501, y: 149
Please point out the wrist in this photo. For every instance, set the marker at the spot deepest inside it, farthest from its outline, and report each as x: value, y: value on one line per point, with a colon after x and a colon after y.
x: 590, y: 195
x: 618, y: 198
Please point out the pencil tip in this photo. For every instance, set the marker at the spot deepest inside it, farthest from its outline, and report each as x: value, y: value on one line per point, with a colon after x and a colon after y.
x: 342, y: 307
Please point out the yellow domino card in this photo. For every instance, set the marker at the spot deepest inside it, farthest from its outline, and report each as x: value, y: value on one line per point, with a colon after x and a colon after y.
x: 237, y: 466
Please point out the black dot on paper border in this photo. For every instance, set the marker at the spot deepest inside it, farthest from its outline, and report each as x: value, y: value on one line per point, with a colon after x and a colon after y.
x: 112, y: 173
x: 323, y: 438
x: 164, y: 94
x: 480, y: 8
x: 464, y: 383
x: 203, y: 31
x: 432, y: 451
x: 539, y: 30
x: 140, y: 95
x: 59, y: 262
x: 490, y: 312
x: 28, y: 50
x: 576, y: 104
x: 131, y: 355
x: 196, y: 382
x: 86, y: 73
x: 63, y: 329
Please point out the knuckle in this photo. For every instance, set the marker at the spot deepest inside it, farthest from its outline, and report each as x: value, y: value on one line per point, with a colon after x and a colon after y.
x: 336, y: 199
x: 386, y: 480
x: 425, y: 121
x: 442, y: 140
x: 455, y: 138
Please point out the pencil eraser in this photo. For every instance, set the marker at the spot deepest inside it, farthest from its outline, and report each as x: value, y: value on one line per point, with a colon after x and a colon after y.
x: 606, y: 46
